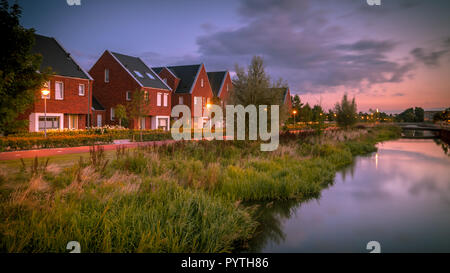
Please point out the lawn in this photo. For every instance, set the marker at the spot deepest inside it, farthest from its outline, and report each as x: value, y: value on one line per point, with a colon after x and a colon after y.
x: 183, y: 197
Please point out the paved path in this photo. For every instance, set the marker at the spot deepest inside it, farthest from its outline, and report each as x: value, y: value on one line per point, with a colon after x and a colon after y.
x: 73, y: 150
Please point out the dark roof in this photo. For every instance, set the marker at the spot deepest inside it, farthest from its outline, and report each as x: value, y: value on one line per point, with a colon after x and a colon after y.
x: 279, y: 93
x: 97, y: 105
x: 57, y: 58
x: 186, y: 74
x: 216, y: 79
x: 133, y: 64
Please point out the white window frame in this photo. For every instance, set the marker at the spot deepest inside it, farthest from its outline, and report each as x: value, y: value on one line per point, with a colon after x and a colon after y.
x: 128, y: 95
x: 84, y: 89
x: 106, y: 75
x: 201, y: 83
x: 112, y: 113
x: 62, y: 90
x: 166, y: 99
x: 180, y: 100
x: 158, y: 99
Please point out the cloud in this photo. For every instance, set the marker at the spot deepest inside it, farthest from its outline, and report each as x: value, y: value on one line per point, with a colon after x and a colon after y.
x: 431, y: 58
x: 300, y: 43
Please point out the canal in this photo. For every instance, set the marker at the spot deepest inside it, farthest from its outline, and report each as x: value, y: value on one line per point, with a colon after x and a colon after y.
x: 398, y: 196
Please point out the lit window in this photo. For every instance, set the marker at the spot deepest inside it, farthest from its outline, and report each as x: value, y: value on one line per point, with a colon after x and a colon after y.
x: 59, y: 91
x: 201, y: 82
x: 166, y: 98
x: 128, y: 95
x: 81, y: 90
x: 145, y: 95
x: 150, y: 76
x: 138, y: 74
x: 106, y: 75
x: 158, y: 99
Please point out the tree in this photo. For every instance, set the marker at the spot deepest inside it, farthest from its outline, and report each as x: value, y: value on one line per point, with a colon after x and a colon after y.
x: 346, y: 114
x: 306, y: 113
x: 138, y: 107
x: 253, y: 87
x: 120, y: 112
x: 19, y: 79
x: 419, y: 114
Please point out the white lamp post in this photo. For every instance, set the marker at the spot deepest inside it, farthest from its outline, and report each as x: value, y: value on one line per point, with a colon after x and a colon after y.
x: 45, y: 92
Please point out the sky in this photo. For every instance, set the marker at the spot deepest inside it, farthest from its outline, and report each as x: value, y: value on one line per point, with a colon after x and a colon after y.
x: 391, y: 57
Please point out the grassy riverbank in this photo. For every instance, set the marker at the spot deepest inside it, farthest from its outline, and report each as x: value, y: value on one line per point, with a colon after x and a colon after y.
x: 186, y: 197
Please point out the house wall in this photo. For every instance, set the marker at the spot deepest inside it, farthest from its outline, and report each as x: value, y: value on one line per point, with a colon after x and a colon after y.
x: 224, y: 93
x: 114, y: 92
x: 288, y: 101
x: 199, y: 91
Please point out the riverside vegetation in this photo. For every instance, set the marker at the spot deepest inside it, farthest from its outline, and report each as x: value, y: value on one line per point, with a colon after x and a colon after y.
x: 184, y: 197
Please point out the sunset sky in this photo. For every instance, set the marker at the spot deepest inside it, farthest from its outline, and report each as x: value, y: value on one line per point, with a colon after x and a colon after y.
x: 390, y: 57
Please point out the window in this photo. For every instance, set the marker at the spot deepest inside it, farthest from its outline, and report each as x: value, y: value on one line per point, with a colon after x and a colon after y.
x: 158, y: 99
x: 52, y: 123
x: 197, y: 100
x: 81, y: 90
x: 46, y: 86
x: 150, y: 76
x: 128, y: 95
x: 138, y: 74
x: 142, y: 122
x: 112, y: 113
x: 73, y: 121
x: 165, y: 80
x: 166, y: 98
x: 162, y: 124
x: 146, y: 95
x: 59, y: 91
x: 106, y: 75
x: 180, y: 100
x: 227, y: 87
x: 201, y: 82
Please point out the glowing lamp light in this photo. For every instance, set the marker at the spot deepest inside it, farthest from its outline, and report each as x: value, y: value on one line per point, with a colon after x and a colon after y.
x: 208, y: 105
x: 45, y: 92
x: 294, y: 112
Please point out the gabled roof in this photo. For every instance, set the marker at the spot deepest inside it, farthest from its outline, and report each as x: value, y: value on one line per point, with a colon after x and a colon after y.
x: 57, y: 58
x: 187, y: 75
x: 216, y: 79
x: 96, y: 105
x: 143, y: 74
x: 280, y: 93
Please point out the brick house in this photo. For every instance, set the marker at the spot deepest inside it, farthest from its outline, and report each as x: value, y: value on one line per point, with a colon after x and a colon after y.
x: 284, y: 94
x: 98, y: 113
x: 190, y: 85
x: 117, y: 76
x: 221, y: 84
x: 69, y: 101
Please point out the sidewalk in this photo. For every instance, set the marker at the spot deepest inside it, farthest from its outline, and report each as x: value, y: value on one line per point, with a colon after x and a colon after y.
x: 74, y: 150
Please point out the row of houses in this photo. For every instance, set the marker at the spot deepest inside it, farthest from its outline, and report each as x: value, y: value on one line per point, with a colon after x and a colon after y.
x: 80, y: 98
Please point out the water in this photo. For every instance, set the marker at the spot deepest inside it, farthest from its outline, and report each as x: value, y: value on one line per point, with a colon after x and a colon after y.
x: 399, y: 196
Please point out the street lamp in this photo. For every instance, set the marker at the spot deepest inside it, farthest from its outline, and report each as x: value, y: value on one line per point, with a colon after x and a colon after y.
x: 45, y: 92
x: 294, y: 112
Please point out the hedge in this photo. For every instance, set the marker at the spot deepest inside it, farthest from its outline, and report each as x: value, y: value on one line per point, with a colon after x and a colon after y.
x: 27, y: 143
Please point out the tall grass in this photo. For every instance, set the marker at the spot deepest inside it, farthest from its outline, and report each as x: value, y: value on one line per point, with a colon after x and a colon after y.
x: 185, y: 197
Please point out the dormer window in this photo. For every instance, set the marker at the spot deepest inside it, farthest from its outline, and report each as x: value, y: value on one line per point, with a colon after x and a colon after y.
x: 138, y: 74
x: 150, y: 76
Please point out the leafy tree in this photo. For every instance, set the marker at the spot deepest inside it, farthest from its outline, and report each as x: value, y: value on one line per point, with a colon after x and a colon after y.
x: 120, y: 113
x: 253, y: 87
x: 346, y: 112
x: 317, y: 113
x: 138, y: 107
x: 19, y: 80
x: 306, y: 113
x: 419, y: 114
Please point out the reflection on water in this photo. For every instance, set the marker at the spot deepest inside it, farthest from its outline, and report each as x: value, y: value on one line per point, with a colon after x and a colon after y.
x: 399, y: 196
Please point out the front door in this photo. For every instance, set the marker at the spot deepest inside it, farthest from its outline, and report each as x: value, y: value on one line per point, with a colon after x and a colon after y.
x: 99, y: 120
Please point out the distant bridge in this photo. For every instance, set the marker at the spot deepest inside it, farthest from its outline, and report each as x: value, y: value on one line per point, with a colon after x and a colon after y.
x: 438, y: 131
